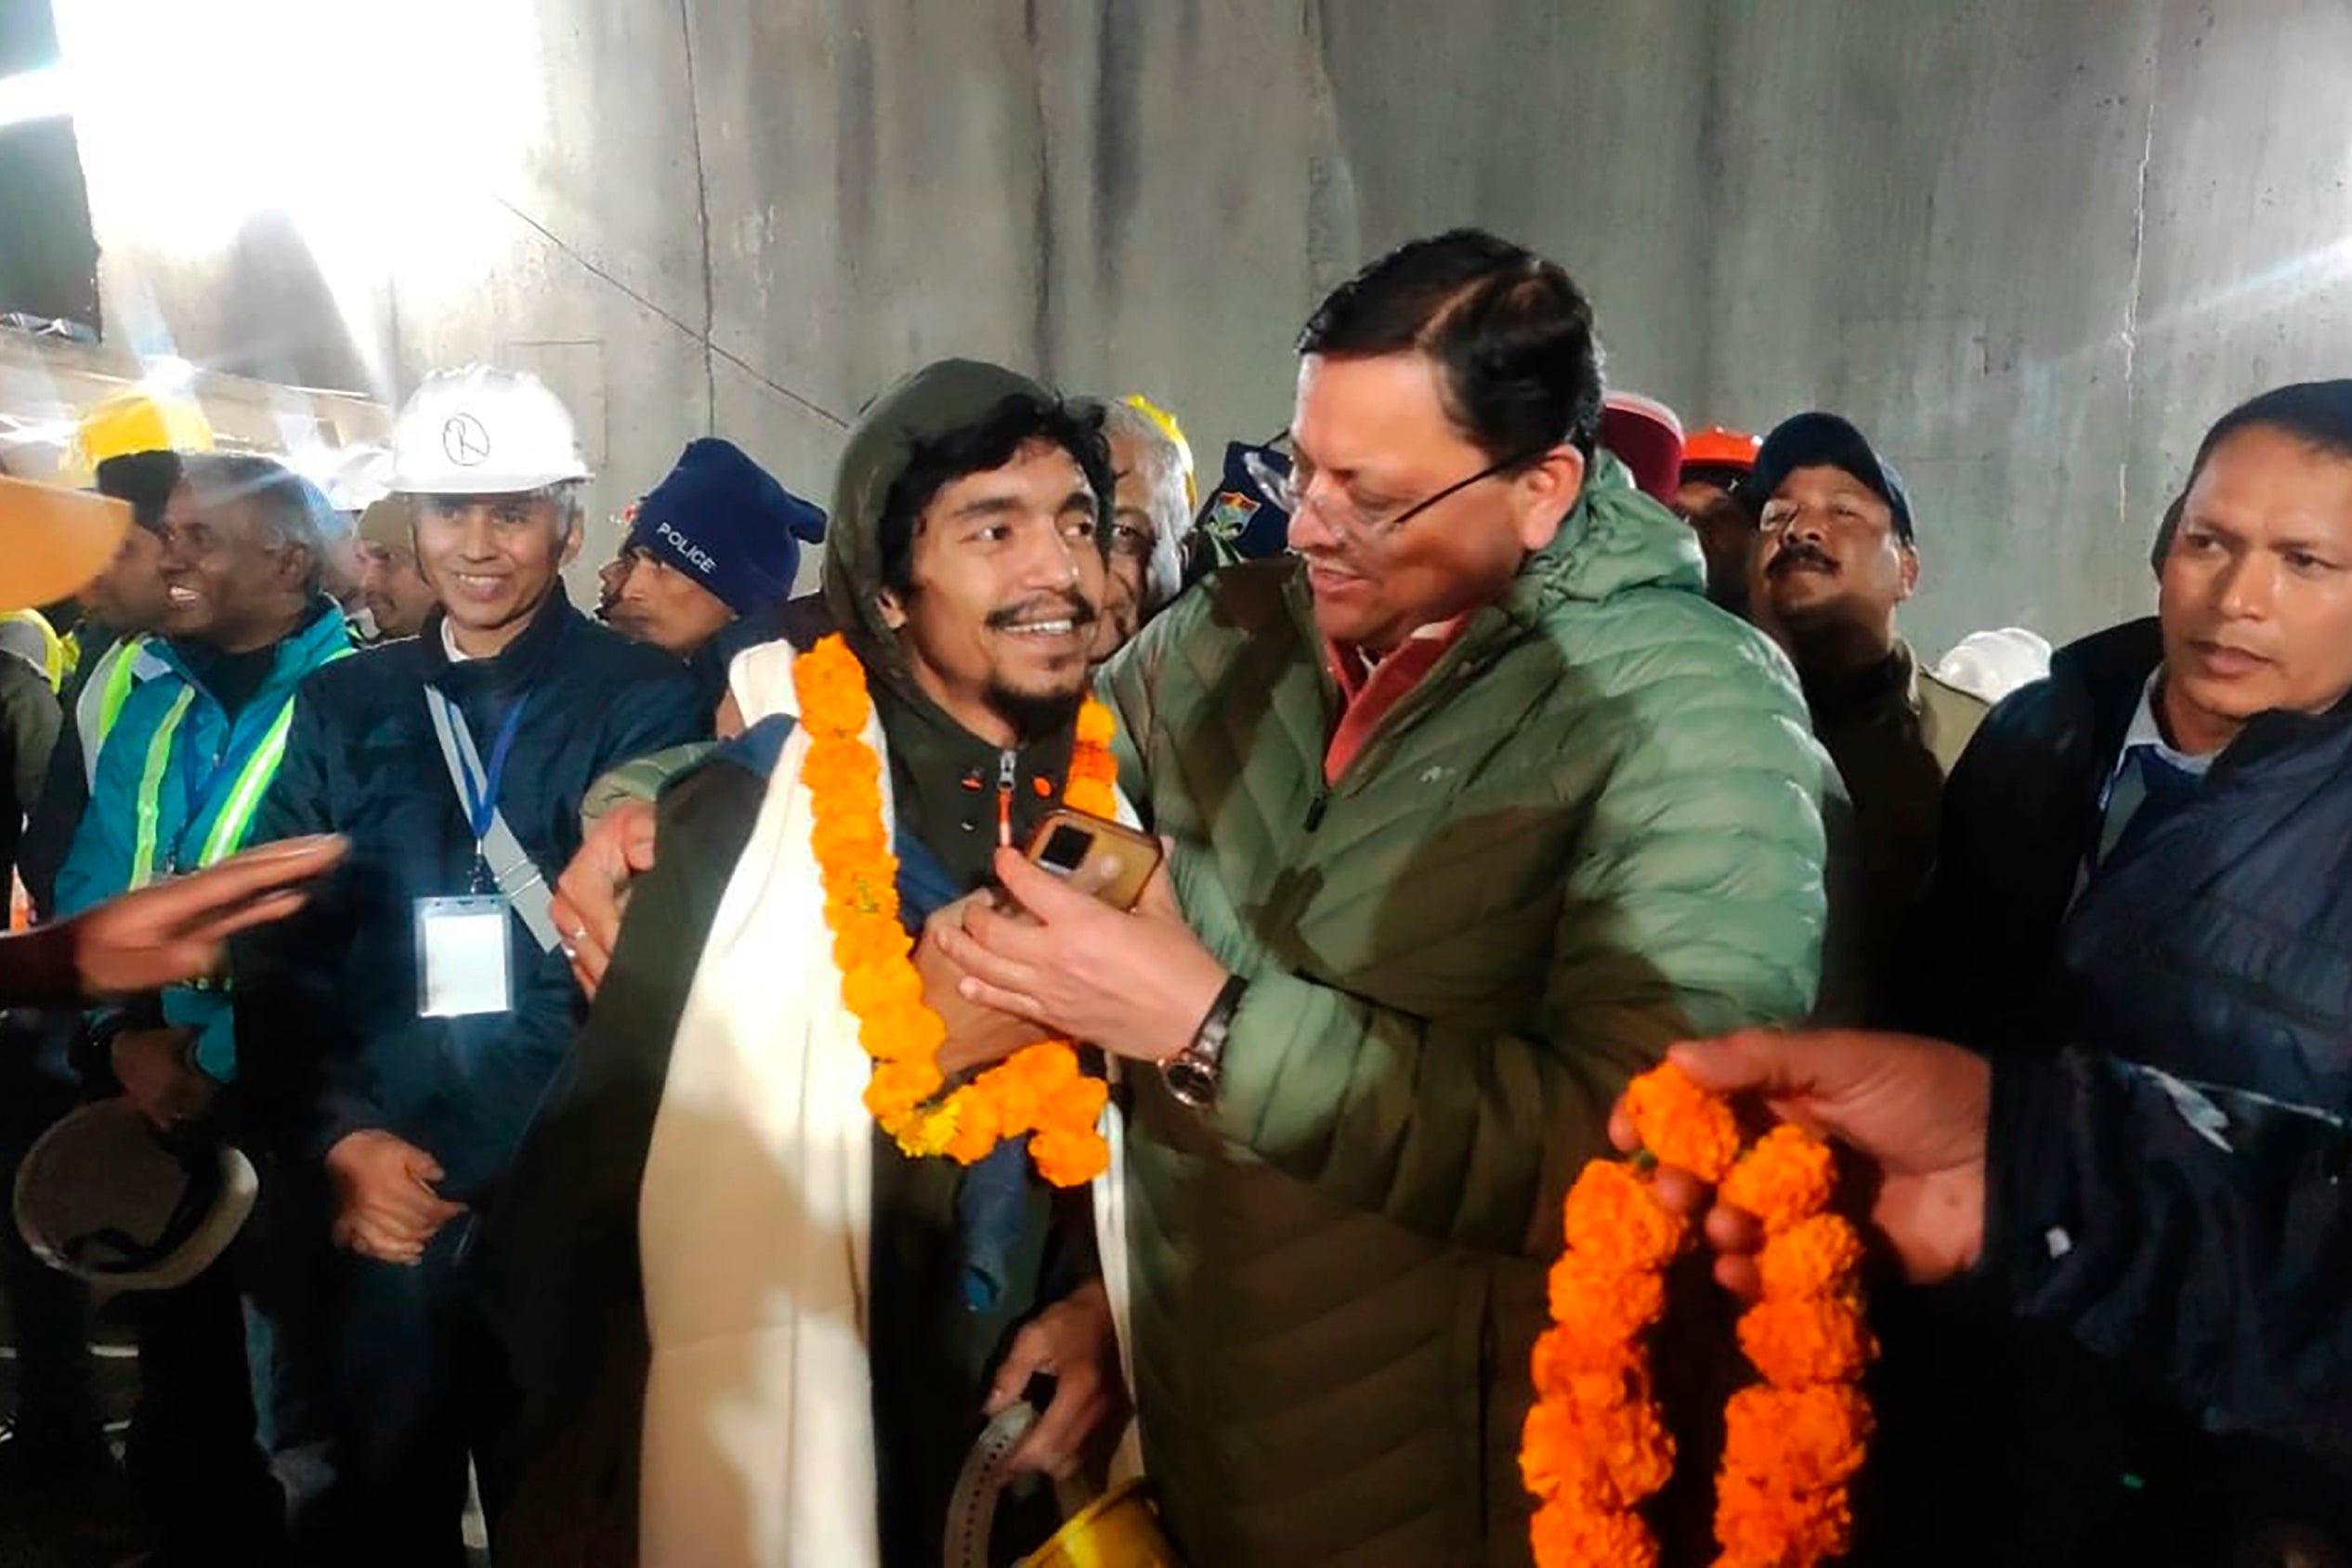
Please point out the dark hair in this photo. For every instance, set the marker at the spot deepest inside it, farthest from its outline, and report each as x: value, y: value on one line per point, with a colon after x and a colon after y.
x: 935, y: 462
x: 1511, y: 335
x: 2317, y: 414
x: 146, y: 480
x: 288, y: 505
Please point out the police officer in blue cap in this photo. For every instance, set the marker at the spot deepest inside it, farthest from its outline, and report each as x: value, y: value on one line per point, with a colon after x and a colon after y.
x: 717, y: 540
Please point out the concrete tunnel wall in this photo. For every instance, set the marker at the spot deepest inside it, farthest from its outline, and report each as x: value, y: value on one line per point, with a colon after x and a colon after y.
x: 2033, y: 248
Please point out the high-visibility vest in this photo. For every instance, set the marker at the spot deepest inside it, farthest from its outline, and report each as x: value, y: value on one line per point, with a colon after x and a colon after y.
x: 101, y: 701
x: 236, y: 816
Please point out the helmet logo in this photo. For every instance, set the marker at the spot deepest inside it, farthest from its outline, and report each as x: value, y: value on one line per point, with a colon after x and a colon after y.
x: 464, y: 441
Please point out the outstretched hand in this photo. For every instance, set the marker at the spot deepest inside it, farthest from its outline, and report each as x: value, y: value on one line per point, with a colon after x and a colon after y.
x: 1916, y: 1110
x: 173, y: 930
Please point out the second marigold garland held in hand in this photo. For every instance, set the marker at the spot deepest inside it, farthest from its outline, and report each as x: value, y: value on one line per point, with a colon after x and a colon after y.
x: 1595, y: 1446
x: 1038, y: 1090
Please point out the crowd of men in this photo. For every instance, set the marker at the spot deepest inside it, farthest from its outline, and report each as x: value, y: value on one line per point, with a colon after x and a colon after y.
x: 1498, y: 737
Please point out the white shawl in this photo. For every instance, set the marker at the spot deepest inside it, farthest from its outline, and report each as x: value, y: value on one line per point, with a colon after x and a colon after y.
x: 754, y: 1215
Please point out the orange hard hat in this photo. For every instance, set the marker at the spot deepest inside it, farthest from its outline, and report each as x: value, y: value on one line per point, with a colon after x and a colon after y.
x: 1716, y: 447
x: 55, y: 540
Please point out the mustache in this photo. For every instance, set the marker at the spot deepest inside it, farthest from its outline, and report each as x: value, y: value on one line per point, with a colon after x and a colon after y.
x: 1081, y: 610
x: 1793, y: 555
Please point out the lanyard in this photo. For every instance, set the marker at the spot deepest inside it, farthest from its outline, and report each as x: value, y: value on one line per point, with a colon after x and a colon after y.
x: 480, y: 784
x: 499, y: 855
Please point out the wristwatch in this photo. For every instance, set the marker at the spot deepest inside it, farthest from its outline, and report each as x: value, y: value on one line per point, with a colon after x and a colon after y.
x: 1194, y: 1073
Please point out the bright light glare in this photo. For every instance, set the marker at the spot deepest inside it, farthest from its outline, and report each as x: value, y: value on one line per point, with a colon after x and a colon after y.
x: 168, y: 372
x: 377, y: 126
x: 34, y: 95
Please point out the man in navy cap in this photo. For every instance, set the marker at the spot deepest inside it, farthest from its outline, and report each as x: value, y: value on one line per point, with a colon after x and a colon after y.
x: 1836, y: 554
x: 717, y: 540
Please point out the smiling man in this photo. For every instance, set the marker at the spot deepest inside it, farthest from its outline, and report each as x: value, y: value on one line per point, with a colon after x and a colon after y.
x: 400, y: 1033
x: 1836, y: 554
x: 2145, y: 856
x: 1151, y: 513
x: 1475, y: 806
x: 713, y: 1265
x: 194, y: 746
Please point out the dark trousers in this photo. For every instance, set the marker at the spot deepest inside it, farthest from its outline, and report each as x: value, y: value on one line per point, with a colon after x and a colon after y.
x: 192, y: 1454
x: 417, y: 1392
x: 57, y: 1411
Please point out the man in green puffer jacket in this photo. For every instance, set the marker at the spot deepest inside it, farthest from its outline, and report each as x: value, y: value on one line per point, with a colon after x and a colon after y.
x: 1473, y: 809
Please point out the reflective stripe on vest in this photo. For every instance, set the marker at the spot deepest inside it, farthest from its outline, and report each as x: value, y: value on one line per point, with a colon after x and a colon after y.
x: 150, y: 788
x: 101, y: 703
x: 236, y: 816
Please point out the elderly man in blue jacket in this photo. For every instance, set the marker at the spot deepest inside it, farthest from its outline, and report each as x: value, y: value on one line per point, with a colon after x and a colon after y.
x: 175, y: 788
x: 400, y: 1030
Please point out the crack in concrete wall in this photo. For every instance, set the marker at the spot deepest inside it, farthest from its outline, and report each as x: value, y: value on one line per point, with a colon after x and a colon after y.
x: 702, y: 217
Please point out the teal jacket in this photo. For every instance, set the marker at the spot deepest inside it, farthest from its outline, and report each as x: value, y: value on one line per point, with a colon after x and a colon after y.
x: 176, y: 787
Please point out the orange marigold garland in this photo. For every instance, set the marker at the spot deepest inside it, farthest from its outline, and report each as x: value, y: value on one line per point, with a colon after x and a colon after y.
x: 1596, y: 1447
x: 1039, y: 1091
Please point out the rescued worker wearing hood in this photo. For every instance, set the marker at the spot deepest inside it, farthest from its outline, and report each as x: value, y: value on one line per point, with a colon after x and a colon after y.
x: 746, y: 1327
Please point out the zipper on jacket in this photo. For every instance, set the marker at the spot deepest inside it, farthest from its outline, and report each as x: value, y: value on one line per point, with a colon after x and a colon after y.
x: 1006, y: 762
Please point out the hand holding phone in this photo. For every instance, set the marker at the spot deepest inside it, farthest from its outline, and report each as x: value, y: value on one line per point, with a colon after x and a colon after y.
x: 1118, y: 859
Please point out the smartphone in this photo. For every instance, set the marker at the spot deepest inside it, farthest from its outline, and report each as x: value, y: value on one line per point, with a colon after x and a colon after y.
x: 1067, y: 839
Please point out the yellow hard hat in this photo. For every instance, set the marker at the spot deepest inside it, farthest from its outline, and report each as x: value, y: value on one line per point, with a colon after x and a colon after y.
x: 136, y: 420
x: 1174, y: 432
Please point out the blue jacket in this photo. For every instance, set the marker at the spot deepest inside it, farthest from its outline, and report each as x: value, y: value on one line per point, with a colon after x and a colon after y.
x: 209, y: 780
x: 329, y: 1035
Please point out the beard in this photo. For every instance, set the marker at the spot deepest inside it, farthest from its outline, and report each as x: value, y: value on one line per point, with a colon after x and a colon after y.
x: 1036, y: 715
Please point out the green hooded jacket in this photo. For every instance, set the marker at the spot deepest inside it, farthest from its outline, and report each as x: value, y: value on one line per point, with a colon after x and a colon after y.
x: 1593, y: 829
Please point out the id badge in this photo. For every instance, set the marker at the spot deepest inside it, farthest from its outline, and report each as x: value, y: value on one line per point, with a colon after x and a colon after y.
x: 461, y: 958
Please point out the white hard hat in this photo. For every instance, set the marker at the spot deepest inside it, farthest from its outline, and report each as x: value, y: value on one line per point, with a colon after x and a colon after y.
x: 1992, y: 664
x: 480, y: 431
x: 355, y: 477
x: 100, y: 1196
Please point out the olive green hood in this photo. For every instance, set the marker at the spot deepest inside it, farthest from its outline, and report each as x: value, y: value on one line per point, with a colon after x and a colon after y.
x: 938, y: 398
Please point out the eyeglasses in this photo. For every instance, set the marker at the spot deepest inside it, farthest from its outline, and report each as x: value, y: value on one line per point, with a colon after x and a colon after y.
x: 1345, y: 517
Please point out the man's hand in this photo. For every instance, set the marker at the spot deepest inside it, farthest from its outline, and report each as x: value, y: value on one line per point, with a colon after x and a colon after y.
x: 1137, y: 985
x: 159, y: 1076
x: 1917, y: 1109
x: 173, y: 931
x: 977, y: 1036
x: 594, y: 889
x: 1073, y: 1342
x: 386, y: 1207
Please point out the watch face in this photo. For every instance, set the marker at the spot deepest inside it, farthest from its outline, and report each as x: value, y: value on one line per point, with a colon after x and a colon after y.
x: 1190, y: 1082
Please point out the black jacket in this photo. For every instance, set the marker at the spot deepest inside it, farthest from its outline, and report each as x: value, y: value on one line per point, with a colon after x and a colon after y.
x: 329, y: 1037
x: 56, y: 812
x: 28, y: 731
x: 2217, y: 949
x: 2199, y: 1237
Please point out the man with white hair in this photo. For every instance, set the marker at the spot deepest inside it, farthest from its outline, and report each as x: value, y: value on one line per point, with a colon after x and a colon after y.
x: 1152, y: 511
x: 400, y: 1031
x: 174, y: 788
